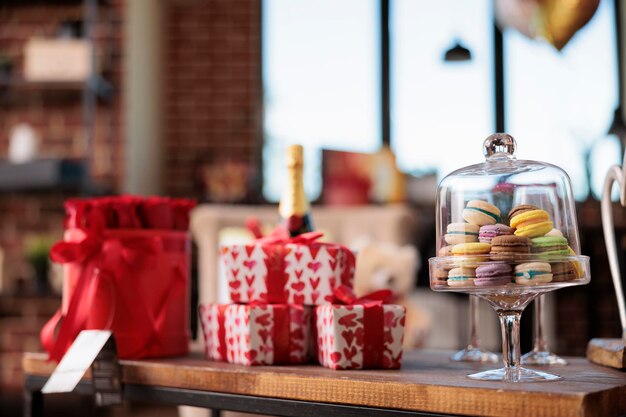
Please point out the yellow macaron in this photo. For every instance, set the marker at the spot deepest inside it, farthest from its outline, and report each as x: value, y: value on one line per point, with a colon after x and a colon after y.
x: 471, y: 248
x: 577, y: 266
x: 470, y: 253
x: 532, y: 223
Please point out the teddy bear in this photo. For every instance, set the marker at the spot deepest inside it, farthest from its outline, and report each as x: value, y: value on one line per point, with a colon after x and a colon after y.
x: 390, y: 266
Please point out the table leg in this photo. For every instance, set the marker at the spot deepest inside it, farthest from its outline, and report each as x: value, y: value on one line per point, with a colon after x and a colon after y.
x: 33, y: 403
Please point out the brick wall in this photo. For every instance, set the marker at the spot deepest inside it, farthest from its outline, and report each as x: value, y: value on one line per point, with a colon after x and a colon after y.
x: 56, y: 112
x: 212, y: 87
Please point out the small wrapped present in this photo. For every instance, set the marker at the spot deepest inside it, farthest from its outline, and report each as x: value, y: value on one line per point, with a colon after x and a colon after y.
x: 257, y: 334
x: 359, y: 333
x: 126, y: 268
x: 282, y: 270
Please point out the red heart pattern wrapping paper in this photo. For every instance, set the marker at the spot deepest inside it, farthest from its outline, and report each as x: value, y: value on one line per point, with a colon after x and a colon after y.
x: 257, y: 334
x: 348, y: 339
x: 292, y: 273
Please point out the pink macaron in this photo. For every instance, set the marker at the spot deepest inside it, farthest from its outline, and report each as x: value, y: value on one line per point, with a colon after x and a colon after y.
x: 499, y: 273
x: 489, y: 231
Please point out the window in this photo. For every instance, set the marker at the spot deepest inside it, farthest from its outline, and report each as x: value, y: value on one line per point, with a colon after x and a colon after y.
x: 440, y: 110
x: 559, y: 105
x: 321, y: 83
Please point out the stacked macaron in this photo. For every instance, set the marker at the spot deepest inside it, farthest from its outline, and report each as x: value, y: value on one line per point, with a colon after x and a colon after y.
x: 481, y: 213
x: 487, y: 232
x: 531, y: 223
x: 472, y: 253
x: 547, y: 242
x: 461, y: 232
x: 496, y: 273
x: 492, y: 253
x: 533, y: 273
x: 463, y: 238
x: 461, y: 277
x: 509, y: 248
x: 476, y: 213
x: 550, y: 246
x: 440, y: 272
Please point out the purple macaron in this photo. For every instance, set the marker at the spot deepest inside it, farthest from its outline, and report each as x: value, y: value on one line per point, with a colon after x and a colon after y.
x: 488, y: 232
x: 493, y: 274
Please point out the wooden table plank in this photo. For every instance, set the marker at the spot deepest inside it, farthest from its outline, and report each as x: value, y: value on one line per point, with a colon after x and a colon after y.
x: 427, y: 382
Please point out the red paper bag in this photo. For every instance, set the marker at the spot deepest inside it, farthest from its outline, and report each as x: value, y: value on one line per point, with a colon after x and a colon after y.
x: 134, y: 282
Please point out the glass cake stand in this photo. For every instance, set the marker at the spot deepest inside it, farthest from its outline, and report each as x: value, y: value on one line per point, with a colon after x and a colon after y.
x: 501, y: 214
x: 509, y: 301
x: 473, y: 352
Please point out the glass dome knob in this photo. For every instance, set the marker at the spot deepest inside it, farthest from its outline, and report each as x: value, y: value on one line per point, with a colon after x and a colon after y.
x: 499, y: 145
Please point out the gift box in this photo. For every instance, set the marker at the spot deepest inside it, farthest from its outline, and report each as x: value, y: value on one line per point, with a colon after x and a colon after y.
x: 133, y: 281
x: 257, y: 334
x: 360, y: 333
x: 299, y: 270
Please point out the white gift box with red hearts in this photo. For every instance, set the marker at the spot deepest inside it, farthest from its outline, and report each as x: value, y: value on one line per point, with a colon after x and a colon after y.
x: 349, y: 337
x: 257, y: 334
x: 289, y: 273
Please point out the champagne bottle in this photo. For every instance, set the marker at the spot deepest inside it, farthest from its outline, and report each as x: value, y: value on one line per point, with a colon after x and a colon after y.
x: 294, y: 207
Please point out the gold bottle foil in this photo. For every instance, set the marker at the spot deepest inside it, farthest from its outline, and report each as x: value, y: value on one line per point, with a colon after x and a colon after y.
x: 293, y: 201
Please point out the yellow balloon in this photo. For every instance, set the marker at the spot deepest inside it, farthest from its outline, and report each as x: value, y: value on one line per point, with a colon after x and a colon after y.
x: 555, y: 20
x: 559, y: 20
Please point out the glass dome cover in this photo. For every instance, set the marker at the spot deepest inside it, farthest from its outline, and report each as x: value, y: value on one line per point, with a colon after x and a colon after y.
x: 506, y: 211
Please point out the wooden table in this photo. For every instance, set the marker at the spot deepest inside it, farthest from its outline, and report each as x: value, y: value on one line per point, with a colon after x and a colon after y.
x: 428, y: 385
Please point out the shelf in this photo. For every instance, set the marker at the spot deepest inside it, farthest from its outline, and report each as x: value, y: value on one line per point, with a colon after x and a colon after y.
x: 42, y: 174
x: 21, y: 84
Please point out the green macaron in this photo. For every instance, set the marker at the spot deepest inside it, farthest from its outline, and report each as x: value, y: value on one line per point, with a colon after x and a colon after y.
x: 550, y: 246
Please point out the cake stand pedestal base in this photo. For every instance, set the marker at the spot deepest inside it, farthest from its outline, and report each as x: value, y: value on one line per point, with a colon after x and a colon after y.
x: 607, y: 352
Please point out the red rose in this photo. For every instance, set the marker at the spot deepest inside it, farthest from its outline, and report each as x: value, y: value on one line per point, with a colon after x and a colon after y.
x: 181, y: 207
x: 156, y: 213
x: 125, y: 211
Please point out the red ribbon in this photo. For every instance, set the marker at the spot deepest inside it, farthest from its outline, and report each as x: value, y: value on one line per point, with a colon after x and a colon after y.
x: 274, y: 247
x: 221, y: 330
x: 281, y: 332
x: 373, y: 321
x: 114, y: 259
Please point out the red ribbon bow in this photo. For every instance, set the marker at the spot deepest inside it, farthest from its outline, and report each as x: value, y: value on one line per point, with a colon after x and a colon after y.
x: 280, y: 235
x: 344, y: 295
x: 114, y: 259
x: 373, y: 321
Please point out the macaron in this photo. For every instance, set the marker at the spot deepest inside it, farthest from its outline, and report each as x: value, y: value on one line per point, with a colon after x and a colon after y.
x: 563, y: 271
x: 445, y: 251
x: 509, y: 247
x: 531, y: 223
x: 522, y: 208
x: 461, y: 277
x: 461, y: 233
x: 533, y: 273
x: 481, y: 213
x: 471, y: 248
x: 439, y: 276
x: 550, y: 246
x: 493, y: 274
x: 580, y: 272
x: 487, y: 232
x: 555, y: 232
x: 472, y: 253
